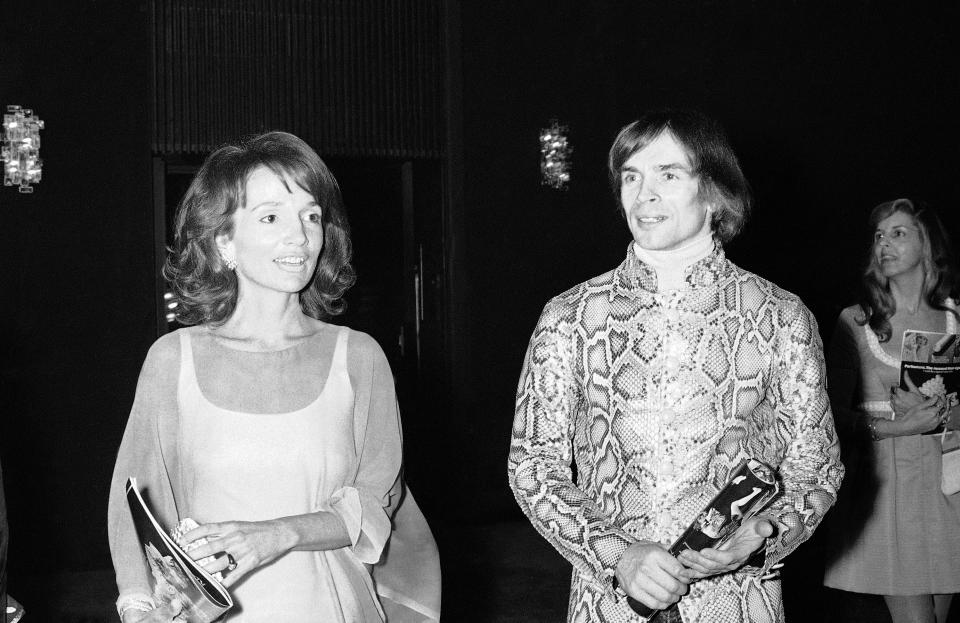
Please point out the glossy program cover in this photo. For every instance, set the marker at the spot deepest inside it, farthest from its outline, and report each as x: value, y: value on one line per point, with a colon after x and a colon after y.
x: 930, y: 364
x: 175, y: 574
x: 751, y: 488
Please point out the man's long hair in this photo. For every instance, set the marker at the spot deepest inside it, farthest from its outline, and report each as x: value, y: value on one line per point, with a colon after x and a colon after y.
x: 721, y: 181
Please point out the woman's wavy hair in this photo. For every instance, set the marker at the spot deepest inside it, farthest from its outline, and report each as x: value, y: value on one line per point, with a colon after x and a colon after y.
x: 722, y: 183
x: 940, y: 272
x: 205, y: 288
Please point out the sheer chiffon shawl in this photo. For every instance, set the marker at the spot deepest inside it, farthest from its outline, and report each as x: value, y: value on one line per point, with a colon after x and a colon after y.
x: 149, y: 452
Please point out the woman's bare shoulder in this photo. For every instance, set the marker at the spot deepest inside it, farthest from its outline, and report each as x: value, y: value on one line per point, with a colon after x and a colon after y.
x: 166, y: 348
x: 363, y: 346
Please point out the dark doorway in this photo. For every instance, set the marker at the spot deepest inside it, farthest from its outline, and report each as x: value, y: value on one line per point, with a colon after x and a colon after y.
x: 394, y: 209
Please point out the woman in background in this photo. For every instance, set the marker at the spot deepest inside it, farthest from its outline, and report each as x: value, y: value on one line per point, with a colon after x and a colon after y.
x: 894, y: 533
x: 274, y: 430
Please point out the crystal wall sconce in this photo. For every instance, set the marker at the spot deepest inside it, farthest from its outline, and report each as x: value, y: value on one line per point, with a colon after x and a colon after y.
x: 555, y: 150
x: 20, y: 153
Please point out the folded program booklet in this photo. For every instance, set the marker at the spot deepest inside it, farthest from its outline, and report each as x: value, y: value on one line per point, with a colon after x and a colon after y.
x: 175, y: 574
x: 930, y: 362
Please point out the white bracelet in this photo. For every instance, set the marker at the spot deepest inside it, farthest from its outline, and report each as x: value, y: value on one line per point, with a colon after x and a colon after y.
x: 134, y: 602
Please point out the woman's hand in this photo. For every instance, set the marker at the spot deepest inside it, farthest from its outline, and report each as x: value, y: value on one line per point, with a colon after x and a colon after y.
x: 251, y: 544
x: 924, y: 415
x: 901, y: 400
x: 914, y: 413
x: 166, y: 613
x: 730, y: 556
x: 649, y: 574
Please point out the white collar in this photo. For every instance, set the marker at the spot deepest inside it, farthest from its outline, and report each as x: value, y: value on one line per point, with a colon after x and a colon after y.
x: 671, y: 265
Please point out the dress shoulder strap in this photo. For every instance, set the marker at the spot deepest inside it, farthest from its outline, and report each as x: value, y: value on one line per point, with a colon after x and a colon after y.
x: 339, y: 362
x: 187, y: 374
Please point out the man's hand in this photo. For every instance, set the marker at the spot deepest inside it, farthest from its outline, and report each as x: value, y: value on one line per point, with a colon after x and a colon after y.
x: 732, y: 555
x: 649, y: 574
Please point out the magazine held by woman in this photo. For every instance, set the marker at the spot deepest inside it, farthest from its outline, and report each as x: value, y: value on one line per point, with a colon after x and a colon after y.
x: 175, y: 574
x: 930, y: 365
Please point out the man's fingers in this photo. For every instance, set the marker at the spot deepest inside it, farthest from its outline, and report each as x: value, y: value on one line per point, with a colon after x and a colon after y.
x: 764, y: 528
x: 663, y: 587
x: 670, y: 569
x: 674, y: 580
x: 662, y: 578
x: 715, y: 559
x: 695, y: 562
x: 650, y: 601
x: 731, y: 555
x: 649, y: 573
x: 694, y: 574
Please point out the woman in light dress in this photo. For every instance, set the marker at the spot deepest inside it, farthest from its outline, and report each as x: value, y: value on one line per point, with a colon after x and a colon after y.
x: 894, y: 533
x: 274, y: 430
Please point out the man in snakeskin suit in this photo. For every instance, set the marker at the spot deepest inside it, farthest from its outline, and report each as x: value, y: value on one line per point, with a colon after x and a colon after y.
x: 659, y: 378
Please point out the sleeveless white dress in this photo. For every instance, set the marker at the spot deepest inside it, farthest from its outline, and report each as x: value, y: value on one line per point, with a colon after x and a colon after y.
x: 257, y: 466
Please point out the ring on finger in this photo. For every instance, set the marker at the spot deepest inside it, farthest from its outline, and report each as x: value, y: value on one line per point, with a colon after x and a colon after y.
x: 231, y: 562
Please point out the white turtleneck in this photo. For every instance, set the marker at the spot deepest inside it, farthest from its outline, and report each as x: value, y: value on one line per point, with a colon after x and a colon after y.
x: 671, y: 265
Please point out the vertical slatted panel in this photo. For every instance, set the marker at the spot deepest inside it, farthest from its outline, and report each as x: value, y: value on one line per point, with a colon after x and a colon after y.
x: 352, y: 77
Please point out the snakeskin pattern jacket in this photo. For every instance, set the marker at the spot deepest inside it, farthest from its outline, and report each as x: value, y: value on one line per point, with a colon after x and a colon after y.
x: 656, y: 397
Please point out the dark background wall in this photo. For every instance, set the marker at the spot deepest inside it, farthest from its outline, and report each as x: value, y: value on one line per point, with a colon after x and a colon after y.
x: 832, y: 110
x: 76, y: 274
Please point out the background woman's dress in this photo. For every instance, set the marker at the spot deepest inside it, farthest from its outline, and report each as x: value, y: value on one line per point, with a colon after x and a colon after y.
x: 893, y: 532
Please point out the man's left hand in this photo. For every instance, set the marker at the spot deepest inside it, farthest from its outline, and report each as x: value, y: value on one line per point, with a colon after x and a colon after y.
x: 732, y: 555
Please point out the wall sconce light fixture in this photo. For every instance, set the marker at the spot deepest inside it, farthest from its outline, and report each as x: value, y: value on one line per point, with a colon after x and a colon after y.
x: 20, y: 153
x: 555, y: 150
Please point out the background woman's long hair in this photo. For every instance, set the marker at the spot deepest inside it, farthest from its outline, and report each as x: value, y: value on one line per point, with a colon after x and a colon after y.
x: 940, y: 274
